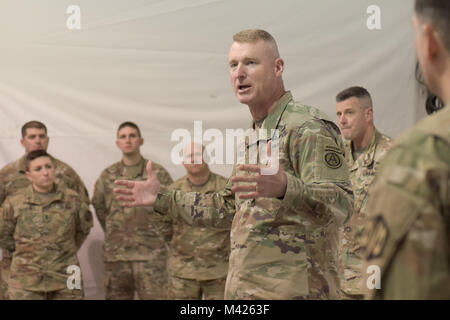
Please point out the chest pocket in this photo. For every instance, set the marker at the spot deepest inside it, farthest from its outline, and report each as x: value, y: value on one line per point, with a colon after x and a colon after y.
x: 56, y: 221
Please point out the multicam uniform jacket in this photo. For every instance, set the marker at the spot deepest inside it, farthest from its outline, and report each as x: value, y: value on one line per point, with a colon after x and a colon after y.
x: 407, y: 235
x: 362, y: 174
x: 44, y: 233
x: 197, y: 252
x: 13, y: 179
x: 131, y: 234
x: 282, y: 248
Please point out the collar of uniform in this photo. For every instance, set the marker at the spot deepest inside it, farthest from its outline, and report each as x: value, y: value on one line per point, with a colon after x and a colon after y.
x: 367, y: 157
x: 349, y: 156
x: 32, y: 198
x: 139, y: 172
x: 22, y: 164
x: 198, y: 185
x: 273, y: 118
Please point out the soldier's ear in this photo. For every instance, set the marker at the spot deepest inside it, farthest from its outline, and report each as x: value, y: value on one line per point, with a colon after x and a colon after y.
x: 27, y: 174
x: 369, y: 114
x: 279, y: 66
x: 141, y: 141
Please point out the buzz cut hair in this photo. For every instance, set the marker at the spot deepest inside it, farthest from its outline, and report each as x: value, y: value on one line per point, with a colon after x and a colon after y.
x: 354, y: 92
x: 34, y: 155
x: 33, y: 124
x: 255, y: 35
x: 436, y: 13
x: 129, y: 124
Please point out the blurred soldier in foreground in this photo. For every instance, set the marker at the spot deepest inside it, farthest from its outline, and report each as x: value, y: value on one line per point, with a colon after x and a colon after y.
x: 364, y: 148
x: 408, y: 233
x: 43, y: 226
x: 286, y: 212
x: 13, y: 178
x: 135, y: 249
x: 198, y: 259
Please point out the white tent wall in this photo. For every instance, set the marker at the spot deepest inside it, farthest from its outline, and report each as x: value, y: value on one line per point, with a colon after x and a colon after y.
x: 163, y: 64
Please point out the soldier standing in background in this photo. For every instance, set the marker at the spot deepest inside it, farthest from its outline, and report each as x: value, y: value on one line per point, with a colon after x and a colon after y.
x: 135, y: 249
x: 13, y: 178
x: 364, y: 148
x: 43, y: 226
x: 407, y: 237
x: 198, y: 259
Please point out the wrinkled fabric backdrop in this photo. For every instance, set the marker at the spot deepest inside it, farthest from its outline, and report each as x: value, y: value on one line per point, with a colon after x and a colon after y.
x: 163, y: 64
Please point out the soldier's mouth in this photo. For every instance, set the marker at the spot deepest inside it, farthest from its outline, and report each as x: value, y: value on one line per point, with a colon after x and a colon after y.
x: 243, y: 88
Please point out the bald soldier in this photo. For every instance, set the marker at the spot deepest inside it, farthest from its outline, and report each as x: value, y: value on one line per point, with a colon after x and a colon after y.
x: 44, y: 226
x: 284, y: 233
x: 136, y: 240
x: 13, y: 177
x: 364, y: 148
x: 407, y: 237
x: 198, y: 259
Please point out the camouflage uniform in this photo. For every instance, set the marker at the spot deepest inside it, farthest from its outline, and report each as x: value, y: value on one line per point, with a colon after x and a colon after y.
x: 1, y: 287
x: 43, y: 232
x: 13, y: 179
x: 408, y: 232
x: 362, y: 174
x: 198, y: 259
x: 282, y: 248
x: 135, y: 249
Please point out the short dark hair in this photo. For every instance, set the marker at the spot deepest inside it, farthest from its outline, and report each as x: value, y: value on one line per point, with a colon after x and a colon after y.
x: 129, y: 124
x: 436, y: 13
x: 34, y: 155
x: 357, y: 92
x: 33, y: 124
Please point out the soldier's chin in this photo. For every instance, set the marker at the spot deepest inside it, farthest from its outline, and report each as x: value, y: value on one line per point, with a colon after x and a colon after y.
x: 347, y: 136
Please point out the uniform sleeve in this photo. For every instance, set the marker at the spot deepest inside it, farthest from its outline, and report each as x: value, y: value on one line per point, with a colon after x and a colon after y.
x: 164, y: 177
x: 84, y: 223
x: 7, y: 227
x: 205, y: 210
x: 81, y: 188
x: 74, y: 182
x: 99, y: 202
x: 2, y: 192
x: 320, y: 183
x: 407, y: 233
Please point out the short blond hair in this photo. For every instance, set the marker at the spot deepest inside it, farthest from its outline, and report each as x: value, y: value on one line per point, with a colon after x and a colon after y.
x: 253, y: 35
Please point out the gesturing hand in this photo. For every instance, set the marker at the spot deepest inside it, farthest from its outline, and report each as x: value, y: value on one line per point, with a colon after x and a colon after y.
x: 262, y: 185
x: 138, y: 193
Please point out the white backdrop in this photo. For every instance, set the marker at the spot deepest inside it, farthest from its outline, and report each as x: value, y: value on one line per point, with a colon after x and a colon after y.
x: 163, y: 64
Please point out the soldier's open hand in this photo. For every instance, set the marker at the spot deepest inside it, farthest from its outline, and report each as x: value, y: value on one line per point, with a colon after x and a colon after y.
x: 138, y: 193
x: 270, y: 180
